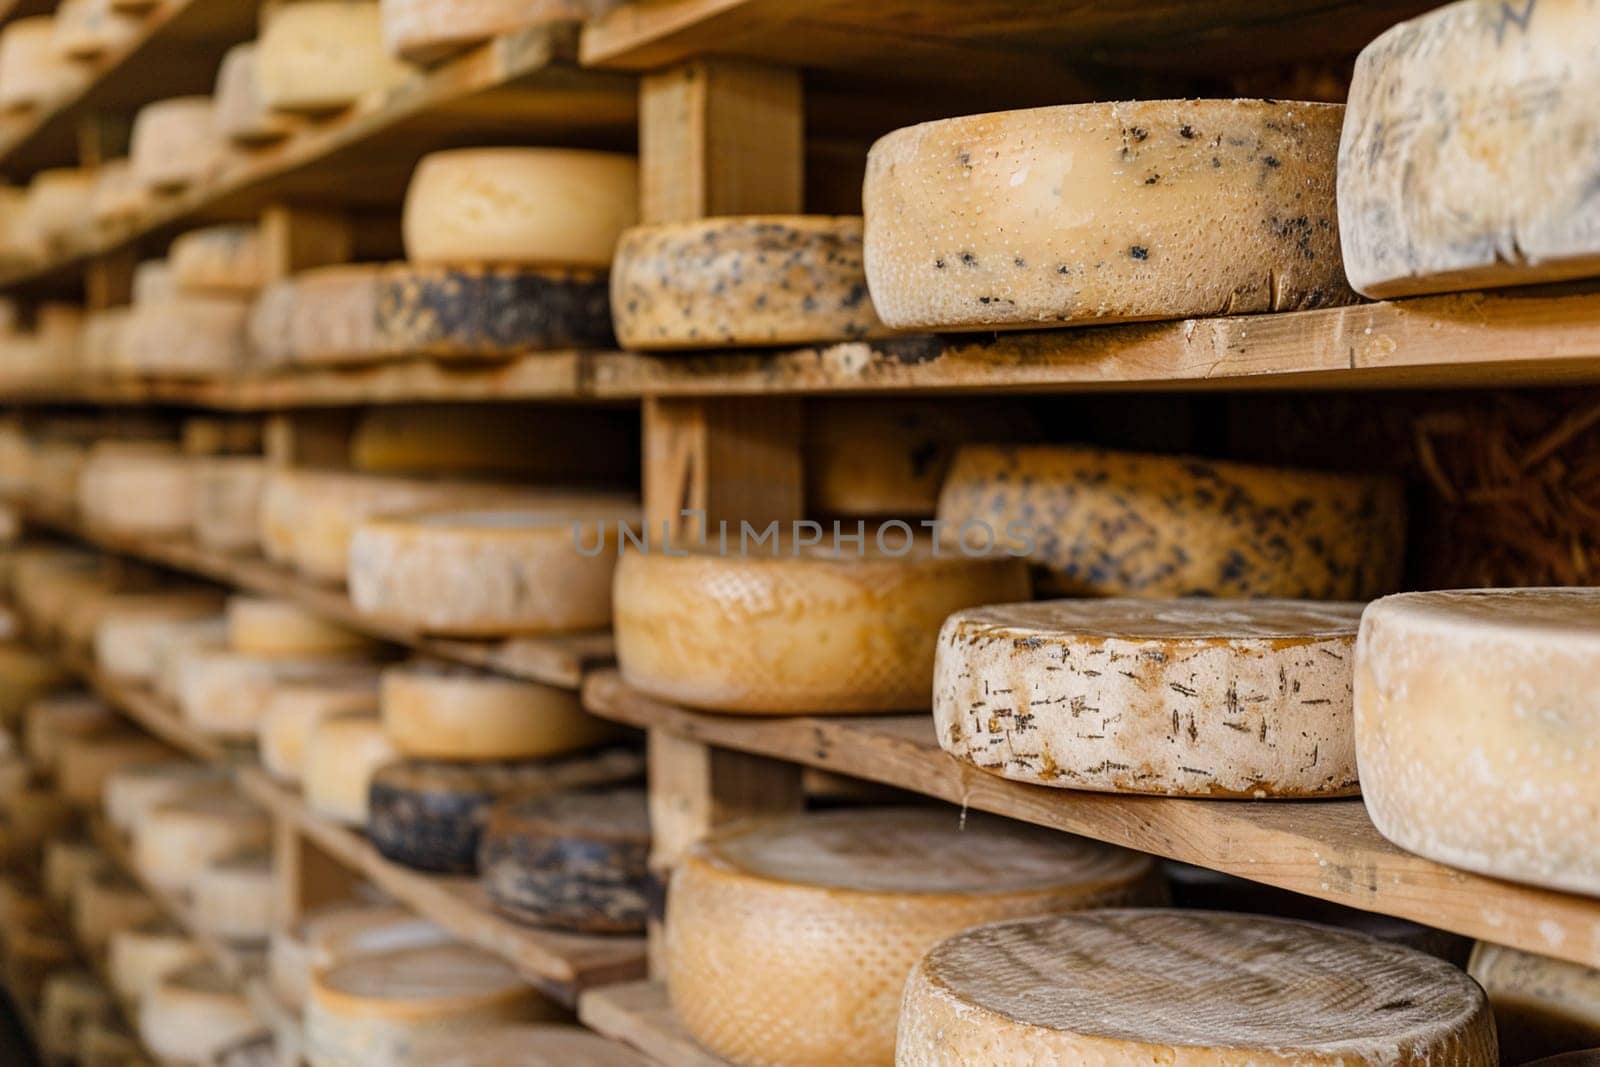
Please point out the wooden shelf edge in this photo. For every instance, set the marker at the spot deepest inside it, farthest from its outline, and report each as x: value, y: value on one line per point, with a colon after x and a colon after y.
x: 1323, y: 849
x: 639, y: 1015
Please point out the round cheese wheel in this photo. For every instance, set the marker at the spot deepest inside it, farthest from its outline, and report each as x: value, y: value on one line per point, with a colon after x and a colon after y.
x: 423, y: 32
x: 133, y: 792
x: 175, y: 642
x: 174, y: 143
x: 70, y: 998
x: 106, y: 903
x: 175, y: 842
x: 53, y: 720
x: 118, y: 199
x: 378, y: 1009
x: 126, y: 638
x: 192, y: 1015
x: 138, y: 490
x: 66, y: 863
x: 1454, y: 765
x: 141, y: 956
x: 339, y: 932
x: 294, y: 710
x: 192, y: 336
x: 233, y: 898
x: 535, y: 206
x: 261, y: 626
x: 1135, y: 987
x: 57, y: 210
x: 88, y: 762
x: 445, y: 713
x: 535, y: 1045
x: 222, y: 693
x: 1542, y: 1006
x: 771, y: 918
x: 227, y: 495
x: 341, y: 756
x: 489, y: 573
x: 241, y: 115
x: 821, y: 631
x: 33, y: 75
x: 1186, y: 697
x: 1101, y: 523
x: 226, y: 260
x: 90, y: 29
x: 752, y: 280
x: 1105, y: 212
x: 572, y: 861
x: 323, y: 55
x: 153, y: 283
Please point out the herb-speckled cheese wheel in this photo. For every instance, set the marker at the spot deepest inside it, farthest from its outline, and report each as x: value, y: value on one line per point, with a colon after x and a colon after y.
x: 174, y: 143
x: 1498, y: 690
x: 535, y: 1045
x: 225, y: 260
x: 261, y: 626
x: 1424, y: 208
x: 227, y: 497
x: 133, y: 792
x: 88, y: 762
x: 1120, y: 988
x: 489, y: 573
x: 755, y: 280
x: 141, y: 956
x: 242, y: 116
x: 33, y: 75
x: 175, y: 842
x: 137, y: 489
x: 343, y: 753
x: 295, y: 708
x: 193, y: 1014
x: 430, y: 814
x: 554, y: 207
x: 105, y: 903
x: 69, y: 999
x: 423, y: 31
x: 446, y: 713
x: 772, y: 918
x: 323, y: 55
x: 572, y: 861
x: 1107, y: 523
x: 822, y: 632
x: 1187, y: 697
x: 88, y: 29
x: 1108, y: 212
x: 233, y: 898
x: 378, y: 1009
x: 222, y: 693
x: 1542, y: 1006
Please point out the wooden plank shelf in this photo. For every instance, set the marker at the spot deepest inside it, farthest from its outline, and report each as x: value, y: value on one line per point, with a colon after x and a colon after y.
x: 1323, y: 849
x: 153, y: 714
x: 639, y: 1014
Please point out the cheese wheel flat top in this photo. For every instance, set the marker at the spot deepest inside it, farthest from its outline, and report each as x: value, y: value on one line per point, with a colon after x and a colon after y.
x: 1178, y: 621
x: 535, y: 1045
x: 1521, y: 615
x: 85, y: 29
x: 118, y: 197
x: 266, y: 626
x: 322, y: 55
x: 422, y: 32
x: 32, y: 73
x: 434, y: 978
x: 1121, y: 987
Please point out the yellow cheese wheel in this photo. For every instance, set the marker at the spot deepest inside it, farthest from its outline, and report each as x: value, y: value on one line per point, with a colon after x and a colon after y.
x: 33, y: 75
x: 176, y: 841
x: 227, y: 497
x: 137, y: 489
x: 174, y: 143
x: 106, y: 903
x: 242, y: 116
x: 422, y: 31
x: 323, y: 55
x: 141, y: 956
x: 1542, y: 1006
x: 225, y: 260
x: 341, y: 756
x: 261, y: 626
x: 133, y: 792
x: 294, y: 710
x: 90, y: 29
x: 436, y: 712
x: 51, y: 721
x: 193, y: 1014
x: 233, y: 898
x: 87, y: 762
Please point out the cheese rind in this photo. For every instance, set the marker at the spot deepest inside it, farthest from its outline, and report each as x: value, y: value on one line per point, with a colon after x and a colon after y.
x: 340, y: 932
x: 105, y: 903
x: 174, y: 143
x: 1477, y: 718
x: 1445, y: 113
x: 423, y: 32
x: 1187, y: 988
x: 1542, y: 1006
x: 341, y: 757
x: 33, y: 75
x: 137, y: 490
x: 141, y: 956
x: 88, y: 29
x: 1106, y: 212
x: 87, y: 763
x: 753, y: 280
x: 126, y: 635
x: 222, y: 693
x: 535, y: 1045
x: 262, y: 626
x: 233, y: 898
x: 188, y: 336
x: 175, y: 842
x: 227, y: 497
x: 323, y: 55
x: 118, y: 198
x: 57, y: 209
x: 225, y: 260
x: 433, y: 712
x: 194, y: 1014
x: 1171, y: 697
x: 133, y: 792
x: 293, y: 711
x: 242, y: 116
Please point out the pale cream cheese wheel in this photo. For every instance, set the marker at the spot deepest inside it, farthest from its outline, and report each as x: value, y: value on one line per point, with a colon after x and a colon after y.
x: 1120, y: 988
x: 188, y: 335
x: 192, y: 1015
x: 57, y: 211
x: 175, y: 842
x: 424, y: 31
x: 132, y: 792
x: 141, y: 956
x: 323, y: 55
x: 227, y: 498
x: 338, y: 932
x: 127, y: 636
x: 90, y: 29
x: 341, y: 756
x: 105, y: 903
x: 226, y: 260
x: 118, y: 199
x: 153, y: 283
x: 174, y: 143
x: 233, y: 898
x: 263, y: 626
x: 1542, y: 1006
x: 432, y: 711
x: 223, y: 693
x: 293, y: 712
x: 176, y: 641
x: 242, y: 116
x: 789, y: 940
x: 33, y: 75
x: 137, y: 489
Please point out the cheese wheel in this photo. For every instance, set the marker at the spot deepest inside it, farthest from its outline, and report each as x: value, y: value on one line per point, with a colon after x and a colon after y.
x: 1542, y: 1006
x: 1175, y: 697
x: 137, y: 490
x: 133, y: 792
x: 822, y: 631
x: 69, y: 1000
x: 1103, y: 523
x: 33, y: 75
x: 341, y: 756
x: 118, y: 199
x: 193, y: 1014
x: 141, y: 956
x: 225, y: 260
x: 430, y: 815
x: 57, y: 210
x: 127, y: 637
x: 105, y: 903
x: 296, y: 707
x: 51, y: 721
x: 323, y: 55
x: 424, y: 32
x: 174, y: 144
x: 373, y: 1011
x: 233, y: 898
x: 535, y: 1045
x: 261, y: 626
x: 175, y: 842
x: 772, y: 917
x: 489, y: 573
x: 153, y: 283
x: 1454, y: 765
x: 103, y: 1043
x: 572, y: 861
x: 1091, y: 213
x: 241, y: 115
x: 750, y: 280
x: 88, y: 762
x: 191, y: 336
x: 66, y: 863
x: 339, y: 932
x: 446, y: 713
x: 1136, y: 987
x: 1423, y: 209
x: 176, y: 641
x: 227, y: 497
x: 151, y: 601
x: 90, y: 29
x: 534, y: 206
x: 222, y: 693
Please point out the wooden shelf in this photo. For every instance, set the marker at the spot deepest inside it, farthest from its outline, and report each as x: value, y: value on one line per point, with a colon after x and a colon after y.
x: 1323, y: 849
x: 639, y: 1014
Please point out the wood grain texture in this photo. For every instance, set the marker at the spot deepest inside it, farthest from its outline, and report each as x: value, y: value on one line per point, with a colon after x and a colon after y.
x: 639, y: 1014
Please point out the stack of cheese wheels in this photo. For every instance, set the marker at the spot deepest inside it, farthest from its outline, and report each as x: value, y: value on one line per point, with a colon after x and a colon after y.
x: 52, y: 721
x: 126, y: 633
x: 1542, y: 1006
x: 141, y: 955
x: 57, y: 210
x: 1185, y: 697
x: 756, y: 280
x: 342, y: 753
x: 118, y: 198
x: 422, y: 32
x: 1161, y: 986
x: 535, y: 1045
x: 490, y: 573
x: 174, y: 842
x: 133, y: 792
x: 137, y: 488
x: 1444, y: 686
x: 323, y: 55
x: 69, y: 999
x: 174, y: 144
x: 573, y: 861
x: 233, y: 898
x: 817, y: 629
x: 769, y: 916
x: 193, y: 323
x: 1102, y: 523
x: 242, y: 115
x: 1422, y: 211
x: 90, y: 29
x: 88, y: 762
x: 193, y: 1014
x: 227, y: 497
x: 379, y: 1009
x: 107, y: 902
x: 1088, y: 213
x: 338, y: 932
x: 295, y: 708
x: 33, y: 75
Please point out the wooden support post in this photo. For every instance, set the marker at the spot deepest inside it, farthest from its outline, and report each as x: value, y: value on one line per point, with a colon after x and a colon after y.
x: 103, y: 137
x: 108, y: 280
x: 294, y: 239
x: 306, y: 876
x: 310, y: 438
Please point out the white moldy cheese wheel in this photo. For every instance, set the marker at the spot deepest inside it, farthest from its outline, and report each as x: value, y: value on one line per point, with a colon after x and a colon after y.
x: 552, y: 207
x: 1109, y: 212
x: 421, y: 31
x: 223, y: 693
x: 260, y: 626
x: 137, y: 489
x: 1105, y: 523
x: 1120, y: 988
x: 323, y: 55
x: 341, y: 756
x: 1541, y: 1006
x: 825, y: 631
x: 293, y: 711
x: 193, y: 1014
x: 1424, y: 209
x: 175, y: 842
x: 33, y: 75
x: 174, y: 143
x: 133, y: 792
x: 377, y: 1009
x: 141, y: 956
x: 227, y: 497
x: 755, y: 280
x: 241, y: 115
x: 534, y: 1045
x: 1477, y: 718
x: 772, y: 920
x: 191, y: 336
x: 224, y: 260
x: 436, y: 712
x: 1187, y: 697
x: 88, y: 29
x: 489, y: 573
x: 233, y: 898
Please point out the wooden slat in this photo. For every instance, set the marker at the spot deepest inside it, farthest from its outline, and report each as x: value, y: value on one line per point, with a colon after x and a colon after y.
x: 1326, y: 849
x: 639, y: 1014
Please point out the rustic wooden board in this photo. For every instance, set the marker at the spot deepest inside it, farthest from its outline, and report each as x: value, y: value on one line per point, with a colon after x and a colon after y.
x: 638, y: 1014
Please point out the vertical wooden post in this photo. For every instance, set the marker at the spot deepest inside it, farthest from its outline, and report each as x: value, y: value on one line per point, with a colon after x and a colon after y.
x: 306, y: 876
x: 294, y: 239
x: 108, y: 280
